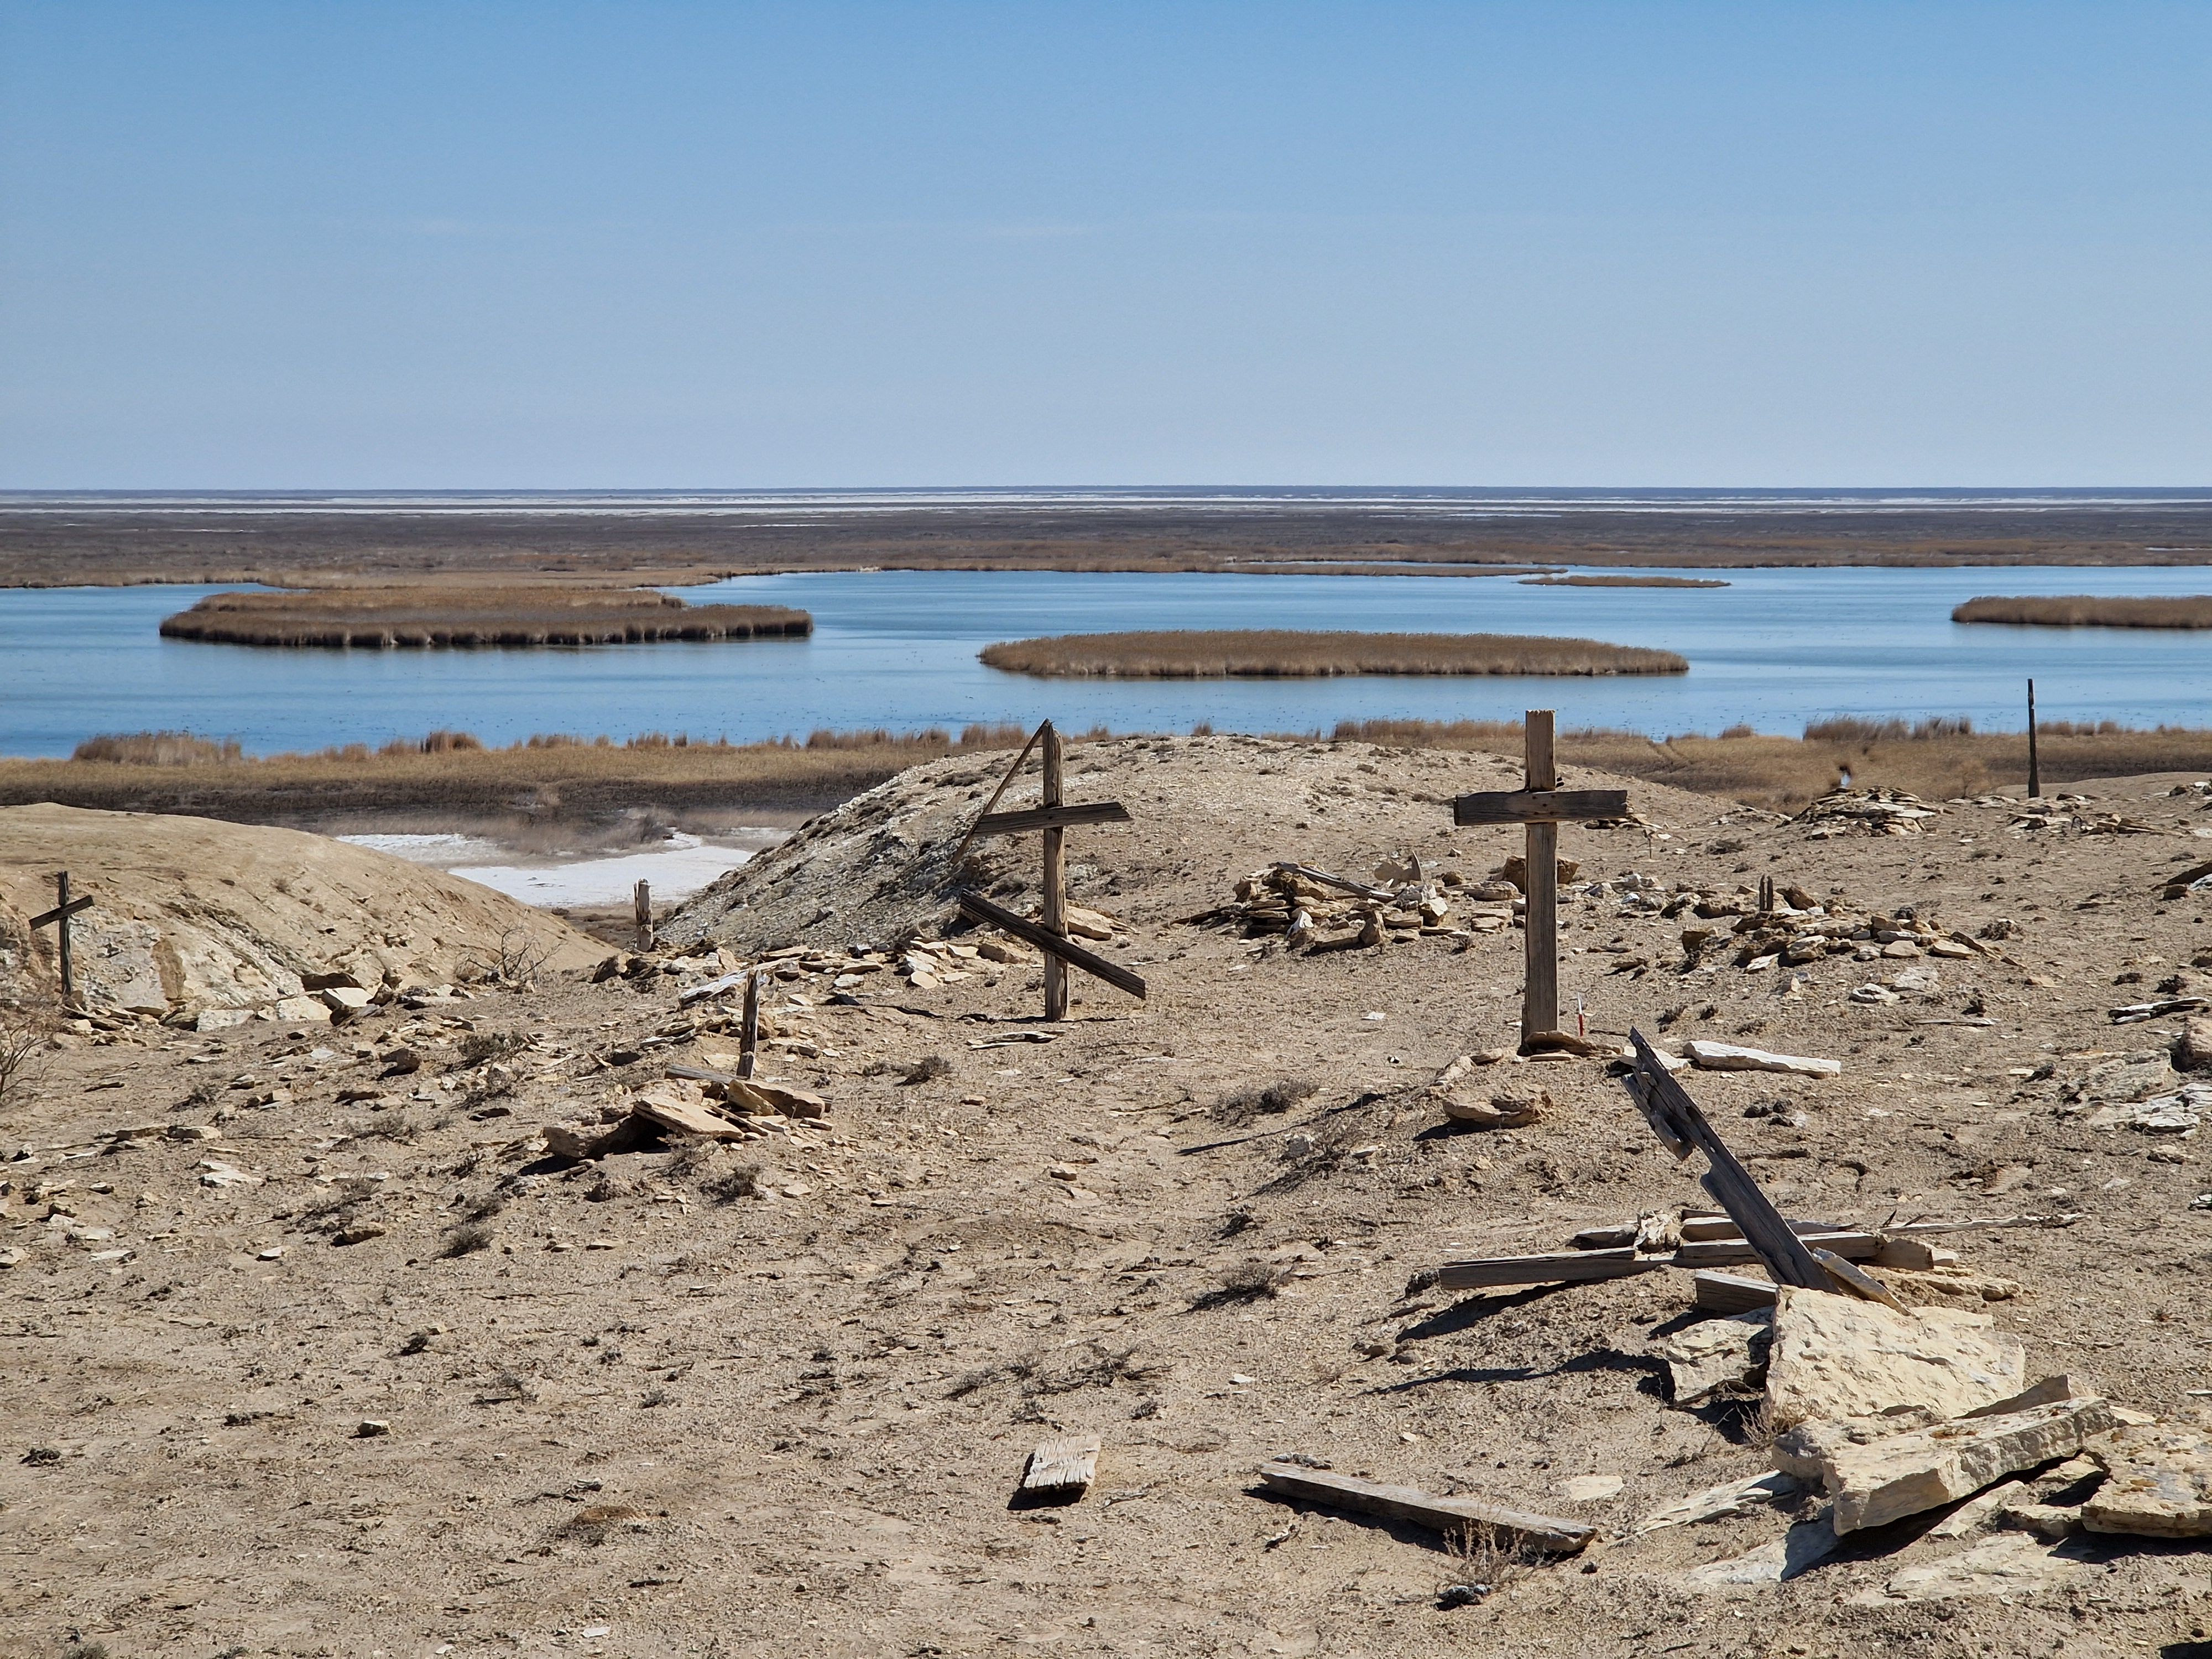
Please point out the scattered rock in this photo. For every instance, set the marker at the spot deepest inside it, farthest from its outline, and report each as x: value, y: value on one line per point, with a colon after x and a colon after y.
x: 1836, y: 1357
x: 1803, y: 1547
x: 2005, y: 1566
x: 2158, y: 1481
x: 1906, y: 1473
x: 371, y: 1427
x: 1591, y: 1488
x: 215, y: 1173
x: 1728, y: 1057
x: 1501, y: 1112
x: 1730, y: 1497
x: 360, y: 1233
x: 1715, y: 1354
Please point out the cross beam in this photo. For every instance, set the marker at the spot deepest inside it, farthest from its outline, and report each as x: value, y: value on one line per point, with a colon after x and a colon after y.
x: 1053, y: 820
x: 58, y: 920
x: 1543, y: 806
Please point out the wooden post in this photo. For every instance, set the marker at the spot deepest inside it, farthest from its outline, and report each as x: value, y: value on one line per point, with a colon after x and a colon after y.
x: 2034, y: 770
x: 61, y: 932
x: 1054, y: 912
x: 1539, y: 1004
x: 643, y: 909
x: 749, y: 1029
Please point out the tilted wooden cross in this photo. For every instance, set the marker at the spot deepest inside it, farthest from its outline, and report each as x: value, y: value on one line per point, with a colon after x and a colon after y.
x: 1053, y: 818
x: 59, y: 919
x: 1543, y: 806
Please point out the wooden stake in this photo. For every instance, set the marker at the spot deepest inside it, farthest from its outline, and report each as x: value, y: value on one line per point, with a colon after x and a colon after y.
x: 1539, y: 1003
x: 748, y: 1028
x: 643, y: 909
x: 2034, y: 770
x: 1054, y: 913
x: 61, y: 932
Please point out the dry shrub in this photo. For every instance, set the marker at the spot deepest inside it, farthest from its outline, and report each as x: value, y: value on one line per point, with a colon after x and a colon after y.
x: 1270, y: 1099
x: 1247, y: 1281
x: 730, y: 1185
x: 1199, y: 653
x: 465, y: 1240
x: 1852, y: 728
x: 26, y: 1048
x: 156, y: 749
x: 595, y: 1522
x: 2089, y: 610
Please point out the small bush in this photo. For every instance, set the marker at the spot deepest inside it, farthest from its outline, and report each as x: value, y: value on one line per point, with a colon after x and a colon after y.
x: 730, y: 1185
x: 465, y: 1240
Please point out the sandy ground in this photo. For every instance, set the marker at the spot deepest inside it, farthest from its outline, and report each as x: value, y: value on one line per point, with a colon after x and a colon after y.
x: 650, y: 1417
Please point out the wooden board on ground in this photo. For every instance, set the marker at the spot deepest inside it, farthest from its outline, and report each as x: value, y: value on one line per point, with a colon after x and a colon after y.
x: 1510, y: 1528
x: 1061, y: 1467
x: 1587, y: 1267
x: 978, y: 909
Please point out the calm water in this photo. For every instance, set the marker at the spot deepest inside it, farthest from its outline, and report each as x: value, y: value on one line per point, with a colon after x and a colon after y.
x: 897, y: 648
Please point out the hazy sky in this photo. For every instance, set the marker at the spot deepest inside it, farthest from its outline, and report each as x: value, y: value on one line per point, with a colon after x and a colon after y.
x: 318, y: 244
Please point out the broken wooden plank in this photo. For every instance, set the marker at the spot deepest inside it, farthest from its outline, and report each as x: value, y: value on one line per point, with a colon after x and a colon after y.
x: 1061, y: 1469
x: 1006, y: 778
x: 1730, y: 1293
x: 1583, y: 1266
x: 713, y: 988
x: 1679, y: 1122
x: 977, y: 908
x: 1513, y: 1527
x: 1497, y: 806
x: 752, y: 1095
x: 685, y: 1118
x: 1695, y: 1228
x: 1322, y: 878
x: 1052, y: 818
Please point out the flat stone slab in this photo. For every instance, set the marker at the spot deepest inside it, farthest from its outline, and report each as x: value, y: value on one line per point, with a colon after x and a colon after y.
x: 1907, y: 1473
x: 1836, y: 1357
x: 1714, y: 1353
x: 2004, y: 1566
x: 2158, y: 1481
x: 1728, y: 1057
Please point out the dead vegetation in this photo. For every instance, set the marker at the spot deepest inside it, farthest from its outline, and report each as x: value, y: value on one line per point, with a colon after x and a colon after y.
x: 2089, y: 610
x: 1621, y: 581
x: 1199, y: 653
x: 385, y: 618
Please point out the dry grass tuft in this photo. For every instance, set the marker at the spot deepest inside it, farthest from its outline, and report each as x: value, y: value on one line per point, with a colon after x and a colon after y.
x: 158, y: 749
x: 1271, y: 653
x: 382, y: 618
x: 2089, y: 610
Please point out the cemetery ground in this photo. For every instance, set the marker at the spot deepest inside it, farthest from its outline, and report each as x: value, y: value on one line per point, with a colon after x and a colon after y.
x: 330, y: 1354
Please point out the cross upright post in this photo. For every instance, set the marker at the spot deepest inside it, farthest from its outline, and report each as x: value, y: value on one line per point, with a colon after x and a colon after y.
x: 1540, y: 808
x: 1053, y: 912
x: 59, y: 919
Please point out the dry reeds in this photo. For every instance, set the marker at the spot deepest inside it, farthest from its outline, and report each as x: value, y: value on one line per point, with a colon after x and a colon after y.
x: 387, y: 618
x: 1619, y: 581
x: 157, y: 749
x: 2089, y: 610
x: 1268, y: 653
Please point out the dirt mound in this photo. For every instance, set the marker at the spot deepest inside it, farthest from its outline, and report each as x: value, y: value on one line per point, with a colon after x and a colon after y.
x: 878, y: 870
x: 191, y: 913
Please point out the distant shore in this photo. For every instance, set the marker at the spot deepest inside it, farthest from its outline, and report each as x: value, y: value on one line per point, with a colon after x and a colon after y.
x: 1292, y: 653
x: 111, y: 542
x: 2089, y: 610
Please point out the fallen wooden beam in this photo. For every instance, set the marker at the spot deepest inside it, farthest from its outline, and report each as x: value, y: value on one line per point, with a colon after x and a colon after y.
x: 1540, y: 806
x: 1516, y: 1527
x: 1695, y: 1228
x: 1321, y: 877
x: 1585, y: 1266
x: 1061, y: 1469
x: 1679, y: 1122
x: 1051, y: 817
x: 1730, y: 1293
x: 978, y: 909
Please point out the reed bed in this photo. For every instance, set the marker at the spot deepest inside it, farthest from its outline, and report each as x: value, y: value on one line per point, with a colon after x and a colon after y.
x: 387, y: 618
x: 1619, y: 581
x: 2089, y: 610
x: 1272, y: 653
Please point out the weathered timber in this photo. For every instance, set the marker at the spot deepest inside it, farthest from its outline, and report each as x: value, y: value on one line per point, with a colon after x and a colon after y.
x: 1052, y: 909
x: 1730, y: 1293
x: 1535, y: 806
x: 642, y: 910
x: 1695, y: 1228
x: 1678, y: 1122
x: 1583, y: 1267
x: 1061, y: 1468
x: 1322, y: 878
x: 1052, y: 818
x: 975, y: 906
x: 1539, y: 1000
x: 749, y: 1026
x: 1007, y: 778
x: 58, y: 920
x: 1549, y: 1534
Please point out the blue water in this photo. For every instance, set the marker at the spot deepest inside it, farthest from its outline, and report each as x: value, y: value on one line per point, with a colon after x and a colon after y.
x: 897, y: 648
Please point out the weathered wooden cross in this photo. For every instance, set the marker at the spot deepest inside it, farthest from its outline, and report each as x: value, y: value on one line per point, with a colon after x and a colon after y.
x: 1543, y: 806
x: 1054, y: 818
x: 58, y: 917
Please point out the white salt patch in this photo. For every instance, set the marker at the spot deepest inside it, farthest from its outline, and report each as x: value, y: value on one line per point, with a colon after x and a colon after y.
x: 677, y: 868
x: 424, y: 849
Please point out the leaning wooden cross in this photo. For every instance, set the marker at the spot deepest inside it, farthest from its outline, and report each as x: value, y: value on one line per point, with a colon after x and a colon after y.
x: 1053, y: 818
x: 1543, y: 806
x: 59, y: 919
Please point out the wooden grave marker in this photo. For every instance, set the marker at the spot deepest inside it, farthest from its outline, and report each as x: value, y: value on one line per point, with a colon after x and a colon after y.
x: 1051, y: 819
x: 58, y: 920
x: 1542, y: 806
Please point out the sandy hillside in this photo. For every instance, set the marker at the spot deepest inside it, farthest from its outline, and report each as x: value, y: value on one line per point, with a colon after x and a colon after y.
x: 191, y: 913
x: 370, y: 1371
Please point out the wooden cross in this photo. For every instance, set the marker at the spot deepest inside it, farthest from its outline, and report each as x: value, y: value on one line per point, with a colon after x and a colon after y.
x: 1053, y: 818
x: 1543, y: 806
x: 58, y: 917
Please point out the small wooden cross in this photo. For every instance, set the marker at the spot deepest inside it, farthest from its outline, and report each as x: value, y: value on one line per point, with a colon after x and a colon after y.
x: 1053, y: 818
x: 1543, y: 806
x: 58, y: 917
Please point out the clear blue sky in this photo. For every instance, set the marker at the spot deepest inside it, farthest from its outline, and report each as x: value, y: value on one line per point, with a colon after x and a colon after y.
x: 310, y: 243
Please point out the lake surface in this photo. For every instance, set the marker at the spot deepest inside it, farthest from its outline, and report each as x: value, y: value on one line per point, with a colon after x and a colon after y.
x: 897, y: 648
